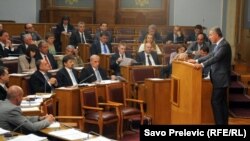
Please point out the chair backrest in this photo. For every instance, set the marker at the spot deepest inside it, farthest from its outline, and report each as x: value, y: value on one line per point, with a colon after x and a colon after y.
x: 48, y: 107
x: 138, y: 75
x: 116, y: 92
x: 89, y: 97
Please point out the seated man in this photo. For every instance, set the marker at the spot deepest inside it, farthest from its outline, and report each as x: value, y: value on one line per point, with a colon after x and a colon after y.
x: 4, y: 79
x: 93, y: 72
x: 71, y: 50
x: 204, y: 52
x: 5, y: 44
x: 11, y: 115
x: 29, y: 29
x: 41, y: 81
x: 176, y: 36
x: 148, y: 57
x: 103, y: 28
x: 152, y: 30
x: 118, y: 57
x: 67, y: 76
x: 102, y: 46
x: 44, y: 54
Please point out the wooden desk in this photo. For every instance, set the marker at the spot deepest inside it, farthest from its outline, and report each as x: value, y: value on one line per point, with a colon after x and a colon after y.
x: 11, y: 64
x: 126, y: 72
x: 68, y: 101
x: 105, y: 62
x: 157, y: 98
x: 21, y: 80
x: 64, y: 41
x: 84, y: 52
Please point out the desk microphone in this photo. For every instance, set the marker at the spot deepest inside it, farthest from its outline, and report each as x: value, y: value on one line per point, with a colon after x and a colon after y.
x: 14, y: 130
x: 86, y: 78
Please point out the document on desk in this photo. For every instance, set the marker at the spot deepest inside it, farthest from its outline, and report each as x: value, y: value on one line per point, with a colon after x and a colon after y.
x: 99, y: 138
x: 29, y: 109
x: 40, y: 95
x: 70, y: 134
x: 30, y: 137
x: 35, y: 103
x: 54, y: 125
x: 3, y: 131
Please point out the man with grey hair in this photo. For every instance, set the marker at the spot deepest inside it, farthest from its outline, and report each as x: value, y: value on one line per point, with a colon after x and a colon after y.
x: 152, y: 29
x: 11, y: 115
x: 81, y: 35
x: 220, y: 62
x: 71, y: 50
x: 27, y: 40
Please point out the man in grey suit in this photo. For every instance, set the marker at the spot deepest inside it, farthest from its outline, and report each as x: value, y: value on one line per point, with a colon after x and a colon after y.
x: 220, y: 61
x: 11, y: 116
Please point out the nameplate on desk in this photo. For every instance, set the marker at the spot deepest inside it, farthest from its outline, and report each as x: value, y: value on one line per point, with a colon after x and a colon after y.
x: 68, y: 88
x: 78, y: 68
x: 70, y: 134
x: 86, y: 84
x: 107, y: 82
x: 40, y: 95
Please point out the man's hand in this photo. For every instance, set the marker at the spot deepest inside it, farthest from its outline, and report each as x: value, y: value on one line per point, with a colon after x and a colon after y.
x: 197, y: 66
x: 191, y: 61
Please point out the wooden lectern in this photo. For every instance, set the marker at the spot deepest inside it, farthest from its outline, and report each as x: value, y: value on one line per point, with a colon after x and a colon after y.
x: 190, y: 95
x: 84, y: 52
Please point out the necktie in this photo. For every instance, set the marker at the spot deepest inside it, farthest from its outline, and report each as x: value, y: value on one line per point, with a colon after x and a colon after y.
x: 83, y: 40
x: 47, y: 60
x: 104, y: 49
x: 215, y: 48
x: 98, y: 76
x: 73, y: 79
x: 81, y: 37
x: 122, y: 56
x: 149, y: 62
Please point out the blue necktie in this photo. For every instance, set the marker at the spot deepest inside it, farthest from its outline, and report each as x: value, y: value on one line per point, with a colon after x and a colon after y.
x: 215, y: 48
x: 105, y: 49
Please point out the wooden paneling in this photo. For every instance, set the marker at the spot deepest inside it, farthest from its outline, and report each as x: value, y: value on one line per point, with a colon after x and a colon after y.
x: 54, y: 15
x: 144, y: 16
x: 105, y: 11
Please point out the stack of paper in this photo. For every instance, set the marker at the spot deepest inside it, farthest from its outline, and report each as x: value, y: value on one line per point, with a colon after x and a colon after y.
x: 3, y: 131
x: 70, y: 134
x: 34, y: 103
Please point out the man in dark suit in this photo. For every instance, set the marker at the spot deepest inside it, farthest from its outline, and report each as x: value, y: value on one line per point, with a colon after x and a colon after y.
x: 220, y: 61
x: 4, y: 79
x: 11, y: 115
x: 67, y: 76
x: 176, y: 36
x: 45, y: 55
x: 93, y: 72
x: 193, y: 48
x: 27, y: 38
x: 64, y: 27
x: 5, y: 44
x: 198, y: 29
x: 29, y: 29
x: 80, y: 35
x: 102, y: 46
x: 118, y: 57
x: 41, y: 81
x: 152, y: 30
x: 103, y: 28
x: 148, y: 57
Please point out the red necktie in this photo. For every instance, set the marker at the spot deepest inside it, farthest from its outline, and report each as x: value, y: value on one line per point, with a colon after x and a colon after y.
x: 47, y: 60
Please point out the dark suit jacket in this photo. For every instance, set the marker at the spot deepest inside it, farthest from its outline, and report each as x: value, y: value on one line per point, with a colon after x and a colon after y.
x: 63, y: 77
x: 220, y: 61
x: 59, y: 29
x: 35, y: 35
x: 50, y: 57
x: 170, y: 37
x: 75, y: 38
x: 194, y: 47
x: 21, y: 49
x: 88, y: 71
x: 113, y: 65
x: 96, y: 48
x: 141, y: 58
x: 3, y: 93
x: 157, y: 37
x: 4, y: 52
x: 97, y: 36
x: 193, y: 37
x: 39, y: 84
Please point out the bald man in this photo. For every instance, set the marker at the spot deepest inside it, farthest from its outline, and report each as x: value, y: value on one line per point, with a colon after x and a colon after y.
x: 11, y: 116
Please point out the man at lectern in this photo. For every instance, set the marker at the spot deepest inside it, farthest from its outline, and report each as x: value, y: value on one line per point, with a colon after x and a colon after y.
x: 220, y: 61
